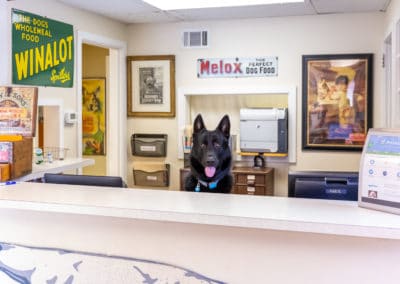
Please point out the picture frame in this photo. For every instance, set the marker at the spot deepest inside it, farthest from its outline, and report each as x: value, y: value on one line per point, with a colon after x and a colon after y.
x: 94, y: 113
x: 151, y: 86
x: 337, y: 101
x: 18, y: 110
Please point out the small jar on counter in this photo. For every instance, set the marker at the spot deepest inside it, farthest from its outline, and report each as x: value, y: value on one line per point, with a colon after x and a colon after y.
x: 38, y: 156
x: 49, y: 157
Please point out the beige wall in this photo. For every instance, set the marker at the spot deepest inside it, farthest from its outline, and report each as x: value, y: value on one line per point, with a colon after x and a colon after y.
x: 392, y: 16
x: 94, y: 65
x: 82, y: 21
x: 286, y: 37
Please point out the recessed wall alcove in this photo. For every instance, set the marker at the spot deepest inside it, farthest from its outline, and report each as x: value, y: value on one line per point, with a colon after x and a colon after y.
x: 221, y: 100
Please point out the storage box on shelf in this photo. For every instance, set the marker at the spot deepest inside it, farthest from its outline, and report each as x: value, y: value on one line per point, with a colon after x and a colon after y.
x: 5, y: 172
x: 152, y: 175
x: 18, y: 155
x: 149, y: 145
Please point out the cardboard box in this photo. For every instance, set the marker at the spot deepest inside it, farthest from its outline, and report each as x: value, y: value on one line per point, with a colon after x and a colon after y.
x: 19, y: 155
x: 5, y: 174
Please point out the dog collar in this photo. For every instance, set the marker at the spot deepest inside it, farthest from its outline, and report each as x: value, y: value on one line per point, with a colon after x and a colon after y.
x: 213, y: 184
x: 210, y: 185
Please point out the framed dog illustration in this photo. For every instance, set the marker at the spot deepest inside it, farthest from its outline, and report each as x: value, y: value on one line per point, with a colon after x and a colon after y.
x: 337, y: 101
x: 94, y: 116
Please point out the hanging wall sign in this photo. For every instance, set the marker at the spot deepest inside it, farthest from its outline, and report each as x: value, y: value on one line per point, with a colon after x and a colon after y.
x: 42, y: 51
x: 237, y: 67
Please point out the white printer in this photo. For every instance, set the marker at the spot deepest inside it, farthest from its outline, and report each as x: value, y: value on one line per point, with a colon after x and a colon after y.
x: 264, y: 130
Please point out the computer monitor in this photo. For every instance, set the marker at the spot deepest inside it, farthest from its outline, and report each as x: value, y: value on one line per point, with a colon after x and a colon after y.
x: 380, y: 171
x: 109, y: 181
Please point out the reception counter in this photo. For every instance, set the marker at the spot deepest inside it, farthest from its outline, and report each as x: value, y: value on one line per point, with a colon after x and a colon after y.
x: 57, y: 166
x: 210, y: 237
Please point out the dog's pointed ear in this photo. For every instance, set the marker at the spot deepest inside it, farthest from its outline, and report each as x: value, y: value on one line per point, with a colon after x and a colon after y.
x: 198, y: 124
x: 225, y: 126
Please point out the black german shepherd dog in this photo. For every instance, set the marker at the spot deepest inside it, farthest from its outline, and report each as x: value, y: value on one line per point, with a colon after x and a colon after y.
x: 210, y: 158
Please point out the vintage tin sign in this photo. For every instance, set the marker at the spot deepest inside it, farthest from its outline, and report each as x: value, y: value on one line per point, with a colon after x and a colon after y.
x: 42, y: 51
x: 18, y: 107
x: 237, y: 67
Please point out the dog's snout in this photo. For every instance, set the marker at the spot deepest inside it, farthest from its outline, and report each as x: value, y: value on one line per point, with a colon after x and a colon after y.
x: 210, y: 159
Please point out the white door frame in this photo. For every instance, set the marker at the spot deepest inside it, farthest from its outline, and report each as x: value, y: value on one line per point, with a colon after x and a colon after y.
x: 388, y: 64
x: 116, y: 118
x: 54, y: 102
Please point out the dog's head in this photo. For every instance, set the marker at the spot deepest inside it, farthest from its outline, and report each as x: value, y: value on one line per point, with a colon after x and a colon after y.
x: 210, y: 152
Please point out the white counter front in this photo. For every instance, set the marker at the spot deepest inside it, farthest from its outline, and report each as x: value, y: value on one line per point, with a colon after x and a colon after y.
x: 229, y: 238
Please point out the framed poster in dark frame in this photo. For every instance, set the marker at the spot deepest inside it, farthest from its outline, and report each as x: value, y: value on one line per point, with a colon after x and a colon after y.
x: 337, y: 101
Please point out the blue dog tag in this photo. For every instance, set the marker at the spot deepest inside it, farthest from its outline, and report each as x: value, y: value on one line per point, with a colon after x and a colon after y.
x: 212, y: 185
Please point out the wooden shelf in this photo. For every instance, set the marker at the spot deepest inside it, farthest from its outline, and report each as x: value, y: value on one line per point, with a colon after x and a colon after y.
x: 10, y: 138
x: 264, y: 154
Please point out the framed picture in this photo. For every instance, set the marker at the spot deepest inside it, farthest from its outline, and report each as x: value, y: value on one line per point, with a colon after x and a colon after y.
x: 94, y: 116
x: 337, y: 101
x: 151, y: 86
x: 18, y: 110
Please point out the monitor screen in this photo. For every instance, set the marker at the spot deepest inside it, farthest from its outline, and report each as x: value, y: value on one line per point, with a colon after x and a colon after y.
x: 383, y: 144
x: 380, y: 171
x: 110, y: 181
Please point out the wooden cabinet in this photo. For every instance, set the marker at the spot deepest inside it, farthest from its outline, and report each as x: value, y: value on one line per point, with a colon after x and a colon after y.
x: 253, y: 181
x: 246, y: 180
x: 184, y: 172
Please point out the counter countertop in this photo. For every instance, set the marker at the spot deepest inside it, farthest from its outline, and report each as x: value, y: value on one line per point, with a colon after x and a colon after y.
x: 262, y: 212
x: 57, y: 166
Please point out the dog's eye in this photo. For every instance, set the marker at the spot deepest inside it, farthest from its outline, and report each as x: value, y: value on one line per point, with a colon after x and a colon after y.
x: 217, y: 145
x: 203, y: 146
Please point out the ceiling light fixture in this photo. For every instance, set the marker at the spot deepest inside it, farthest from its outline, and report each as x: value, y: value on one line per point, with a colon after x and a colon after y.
x: 196, y: 4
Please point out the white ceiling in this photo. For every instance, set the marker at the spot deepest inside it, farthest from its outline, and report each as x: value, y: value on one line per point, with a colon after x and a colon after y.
x: 137, y: 11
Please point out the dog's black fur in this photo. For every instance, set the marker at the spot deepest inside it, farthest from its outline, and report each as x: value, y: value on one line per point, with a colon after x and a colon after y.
x: 210, y: 150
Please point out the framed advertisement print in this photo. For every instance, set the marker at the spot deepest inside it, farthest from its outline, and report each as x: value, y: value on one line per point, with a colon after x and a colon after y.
x: 337, y: 101
x: 94, y: 116
x: 18, y: 110
x: 151, y: 86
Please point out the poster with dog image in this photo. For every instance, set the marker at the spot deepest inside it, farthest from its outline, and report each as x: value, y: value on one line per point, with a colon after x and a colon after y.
x: 93, y: 116
x: 337, y: 101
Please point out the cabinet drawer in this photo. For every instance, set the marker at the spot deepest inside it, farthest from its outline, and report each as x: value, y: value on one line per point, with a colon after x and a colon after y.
x: 250, y: 179
x: 251, y: 190
x: 269, y: 191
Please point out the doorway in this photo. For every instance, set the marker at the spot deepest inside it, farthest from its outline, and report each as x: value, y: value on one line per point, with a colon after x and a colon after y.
x: 94, y: 108
x: 49, y: 126
x: 116, y: 153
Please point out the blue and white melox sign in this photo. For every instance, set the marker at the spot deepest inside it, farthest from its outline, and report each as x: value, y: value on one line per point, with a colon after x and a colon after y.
x: 237, y: 67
